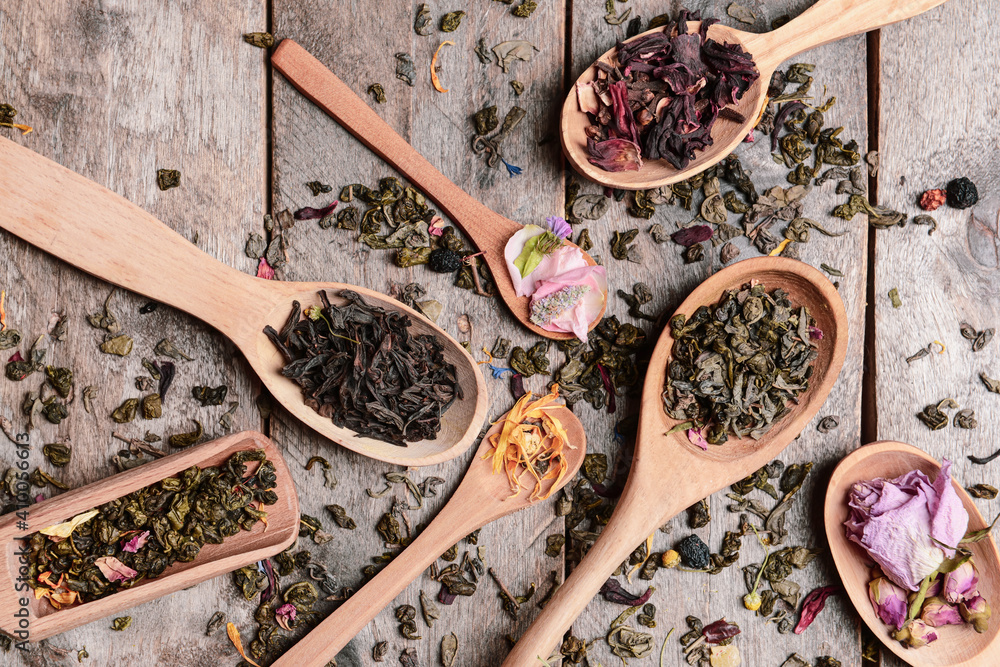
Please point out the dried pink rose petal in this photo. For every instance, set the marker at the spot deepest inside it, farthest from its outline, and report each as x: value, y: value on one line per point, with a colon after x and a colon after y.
x: 889, y: 601
x: 903, y: 522
x: 696, y: 438
x: 264, y: 270
x: 114, y: 570
x: 285, y: 614
x: 137, y: 542
x: 916, y: 634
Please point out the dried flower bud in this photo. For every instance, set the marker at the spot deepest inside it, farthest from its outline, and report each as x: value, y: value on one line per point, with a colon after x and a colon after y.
x: 752, y: 601
x: 313, y: 313
x: 937, y: 612
x: 916, y: 634
x: 670, y: 559
x: 889, y: 601
x: 961, y: 584
x: 976, y: 611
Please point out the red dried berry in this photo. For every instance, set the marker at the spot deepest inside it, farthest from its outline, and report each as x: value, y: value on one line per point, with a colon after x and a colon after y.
x: 932, y: 199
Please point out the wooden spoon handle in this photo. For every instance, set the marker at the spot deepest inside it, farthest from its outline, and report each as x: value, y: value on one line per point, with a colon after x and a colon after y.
x: 314, y: 80
x: 634, y: 519
x: 324, y: 641
x: 100, y: 232
x: 830, y: 20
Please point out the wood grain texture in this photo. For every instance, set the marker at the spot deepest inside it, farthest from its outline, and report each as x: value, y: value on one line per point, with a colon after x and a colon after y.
x: 934, y: 129
x: 838, y: 67
x: 359, y: 45
x: 117, y: 90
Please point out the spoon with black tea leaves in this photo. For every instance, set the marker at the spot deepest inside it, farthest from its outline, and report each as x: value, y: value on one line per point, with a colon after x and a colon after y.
x: 826, y: 21
x: 668, y: 472
x: 487, y: 230
x: 957, y: 645
x: 100, y: 232
x: 482, y: 497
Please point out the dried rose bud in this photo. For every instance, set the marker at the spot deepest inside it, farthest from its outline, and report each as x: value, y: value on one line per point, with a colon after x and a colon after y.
x: 932, y: 199
x: 961, y: 584
x: 937, y: 612
x: 977, y: 612
x: 889, y: 601
x: 916, y: 634
x: 670, y: 559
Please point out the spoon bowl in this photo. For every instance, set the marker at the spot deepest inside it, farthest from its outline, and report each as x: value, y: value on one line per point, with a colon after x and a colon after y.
x: 668, y: 472
x: 481, y: 498
x: 235, y: 552
x: 487, y: 230
x: 957, y: 645
x: 113, y: 239
x: 826, y: 21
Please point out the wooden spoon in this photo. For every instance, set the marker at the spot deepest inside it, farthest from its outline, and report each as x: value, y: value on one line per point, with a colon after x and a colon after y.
x: 481, y: 498
x: 487, y: 230
x: 957, y: 645
x: 824, y: 22
x: 43, y: 620
x: 98, y: 231
x: 669, y: 473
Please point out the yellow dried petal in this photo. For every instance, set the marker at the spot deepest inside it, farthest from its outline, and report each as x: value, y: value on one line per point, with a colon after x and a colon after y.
x: 234, y: 636
x: 66, y: 529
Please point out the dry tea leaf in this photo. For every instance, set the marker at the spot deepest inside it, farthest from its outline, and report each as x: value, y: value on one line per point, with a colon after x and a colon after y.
x: 422, y: 25
x: 126, y: 412
x: 983, y: 491
x: 449, y: 650
x: 590, y: 207
x: 181, y: 440
x: 378, y: 92
x: 508, y: 52
x: 405, y: 70
x: 262, y: 40
x: 119, y: 345
x: 165, y: 348
x: 741, y: 13
x: 451, y: 21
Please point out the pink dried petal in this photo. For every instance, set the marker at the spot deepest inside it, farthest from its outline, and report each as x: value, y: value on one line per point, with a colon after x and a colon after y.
x: 285, y: 614
x: 812, y: 605
x: 136, y: 543
x: 696, y: 438
x: 309, y: 213
x: 436, y: 226
x: 691, y: 235
x: 17, y: 357
x: 936, y: 613
x: 815, y: 333
x: 114, y: 570
x: 961, y: 584
x: 577, y: 319
x: 264, y: 270
x: 614, y: 154
x: 587, y: 98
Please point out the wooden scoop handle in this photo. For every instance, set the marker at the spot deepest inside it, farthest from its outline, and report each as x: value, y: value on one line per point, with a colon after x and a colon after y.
x: 100, y: 232
x: 327, y: 639
x: 635, y: 518
x: 830, y: 20
x: 313, y: 79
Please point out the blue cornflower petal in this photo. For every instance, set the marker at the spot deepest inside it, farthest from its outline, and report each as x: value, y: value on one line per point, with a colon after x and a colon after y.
x: 498, y: 372
x: 511, y: 169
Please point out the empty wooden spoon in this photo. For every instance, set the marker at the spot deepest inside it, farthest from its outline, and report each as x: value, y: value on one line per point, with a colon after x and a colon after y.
x: 826, y: 21
x: 42, y: 620
x: 482, y: 497
x: 957, y: 645
x: 487, y: 230
x: 668, y: 472
x: 96, y: 230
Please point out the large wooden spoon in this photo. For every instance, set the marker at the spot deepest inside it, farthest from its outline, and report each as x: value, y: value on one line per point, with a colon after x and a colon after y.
x: 669, y: 473
x: 481, y: 498
x: 824, y: 22
x: 489, y: 231
x: 96, y: 230
x: 41, y: 620
x: 957, y: 645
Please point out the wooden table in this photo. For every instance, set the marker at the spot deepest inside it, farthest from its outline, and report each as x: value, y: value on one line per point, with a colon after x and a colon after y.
x: 117, y: 90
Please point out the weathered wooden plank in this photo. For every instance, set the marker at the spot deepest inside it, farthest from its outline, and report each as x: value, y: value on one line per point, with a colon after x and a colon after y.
x: 936, y: 127
x: 840, y: 67
x: 360, y: 49
x: 116, y: 91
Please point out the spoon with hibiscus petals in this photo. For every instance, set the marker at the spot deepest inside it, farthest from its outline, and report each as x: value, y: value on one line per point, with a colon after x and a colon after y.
x: 956, y: 645
x: 826, y: 21
x: 488, y: 231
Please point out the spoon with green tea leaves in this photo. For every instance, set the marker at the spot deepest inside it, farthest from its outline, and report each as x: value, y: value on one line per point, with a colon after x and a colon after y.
x: 113, y: 239
x: 88, y: 511
x: 957, y: 644
x: 675, y: 465
x: 703, y: 96
x: 484, y: 495
x: 488, y: 231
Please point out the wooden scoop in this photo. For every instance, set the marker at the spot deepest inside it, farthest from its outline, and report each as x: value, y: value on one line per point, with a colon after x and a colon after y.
x: 235, y: 552
x: 669, y: 473
x: 487, y: 230
x: 481, y: 498
x: 97, y: 231
x: 957, y: 645
x: 826, y: 21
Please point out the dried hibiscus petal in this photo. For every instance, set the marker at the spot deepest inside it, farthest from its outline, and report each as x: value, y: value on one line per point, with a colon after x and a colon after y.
x: 813, y: 605
x: 612, y: 591
x: 691, y: 235
x: 309, y: 213
x: 719, y: 631
x: 614, y: 154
